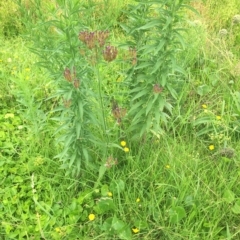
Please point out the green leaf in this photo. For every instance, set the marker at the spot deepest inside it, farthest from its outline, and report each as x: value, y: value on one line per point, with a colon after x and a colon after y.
x: 78, y: 129
x: 125, y: 234
x: 72, y: 159
x: 139, y: 115
x: 107, y: 226
x: 104, y: 205
x: 143, y: 65
x: 104, y: 190
x: 80, y: 109
x: 147, y: 49
x: 236, y: 207
x: 157, y: 65
x: 229, y: 196
x: 150, y: 105
x: 140, y: 94
x: 136, y: 106
x: 177, y: 214
x: 117, y: 224
x: 191, y: 8
x: 203, y: 90
x: 160, y: 46
x: 203, y: 120
x: 189, y: 201
x: 117, y: 186
x: 151, y: 24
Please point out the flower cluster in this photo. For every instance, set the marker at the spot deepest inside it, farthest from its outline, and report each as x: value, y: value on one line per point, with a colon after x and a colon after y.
x: 223, y: 32
x: 236, y: 19
x: 133, y: 55
x: 111, y: 162
x: 124, y: 145
x: 157, y: 88
x: 110, y: 53
x: 71, y: 77
x: 118, y: 112
x: 93, y: 39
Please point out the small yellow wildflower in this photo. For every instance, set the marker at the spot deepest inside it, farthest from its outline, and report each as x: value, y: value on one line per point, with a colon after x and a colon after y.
x: 91, y: 217
x: 138, y: 200
x: 109, y: 194
x: 204, y: 106
x: 120, y: 79
x: 27, y: 69
x: 126, y: 149
x: 218, y: 117
x: 135, y: 230
x: 9, y: 115
x: 123, y: 143
x: 57, y: 229
x: 167, y: 166
x: 211, y: 147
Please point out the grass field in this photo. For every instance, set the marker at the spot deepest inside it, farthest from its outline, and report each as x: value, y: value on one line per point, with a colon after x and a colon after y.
x: 120, y: 119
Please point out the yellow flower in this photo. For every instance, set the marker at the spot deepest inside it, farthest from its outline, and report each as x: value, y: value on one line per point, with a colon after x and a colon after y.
x: 218, y: 117
x: 123, y: 143
x: 204, y: 106
x: 211, y: 147
x: 167, y: 166
x: 126, y: 149
x: 9, y: 115
x: 91, y: 217
x: 27, y: 69
x: 138, y: 200
x: 135, y: 230
x: 57, y: 229
x: 109, y: 194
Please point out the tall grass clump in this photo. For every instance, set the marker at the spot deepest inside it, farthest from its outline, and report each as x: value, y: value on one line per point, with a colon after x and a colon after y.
x: 78, y: 53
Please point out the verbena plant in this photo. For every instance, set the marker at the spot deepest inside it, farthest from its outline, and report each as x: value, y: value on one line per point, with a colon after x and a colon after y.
x: 77, y: 54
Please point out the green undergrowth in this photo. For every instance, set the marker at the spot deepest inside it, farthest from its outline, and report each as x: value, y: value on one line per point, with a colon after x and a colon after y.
x: 180, y: 183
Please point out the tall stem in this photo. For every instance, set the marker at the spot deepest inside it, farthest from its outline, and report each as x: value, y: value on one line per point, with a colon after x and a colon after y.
x: 100, y: 95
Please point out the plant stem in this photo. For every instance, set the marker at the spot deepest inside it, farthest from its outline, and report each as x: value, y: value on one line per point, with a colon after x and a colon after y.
x: 101, y: 98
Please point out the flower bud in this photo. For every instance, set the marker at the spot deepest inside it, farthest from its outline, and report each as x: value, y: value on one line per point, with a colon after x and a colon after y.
x: 67, y: 74
x: 110, y: 53
x: 76, y: 83
x: 236, y: 19
x: 157, y: 88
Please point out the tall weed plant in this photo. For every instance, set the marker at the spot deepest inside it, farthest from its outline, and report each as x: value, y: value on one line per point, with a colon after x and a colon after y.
x: 156, y: 77
x: 78, y: 53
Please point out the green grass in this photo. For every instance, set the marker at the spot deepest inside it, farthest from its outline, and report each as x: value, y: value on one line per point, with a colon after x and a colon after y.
x: 170, y: 186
